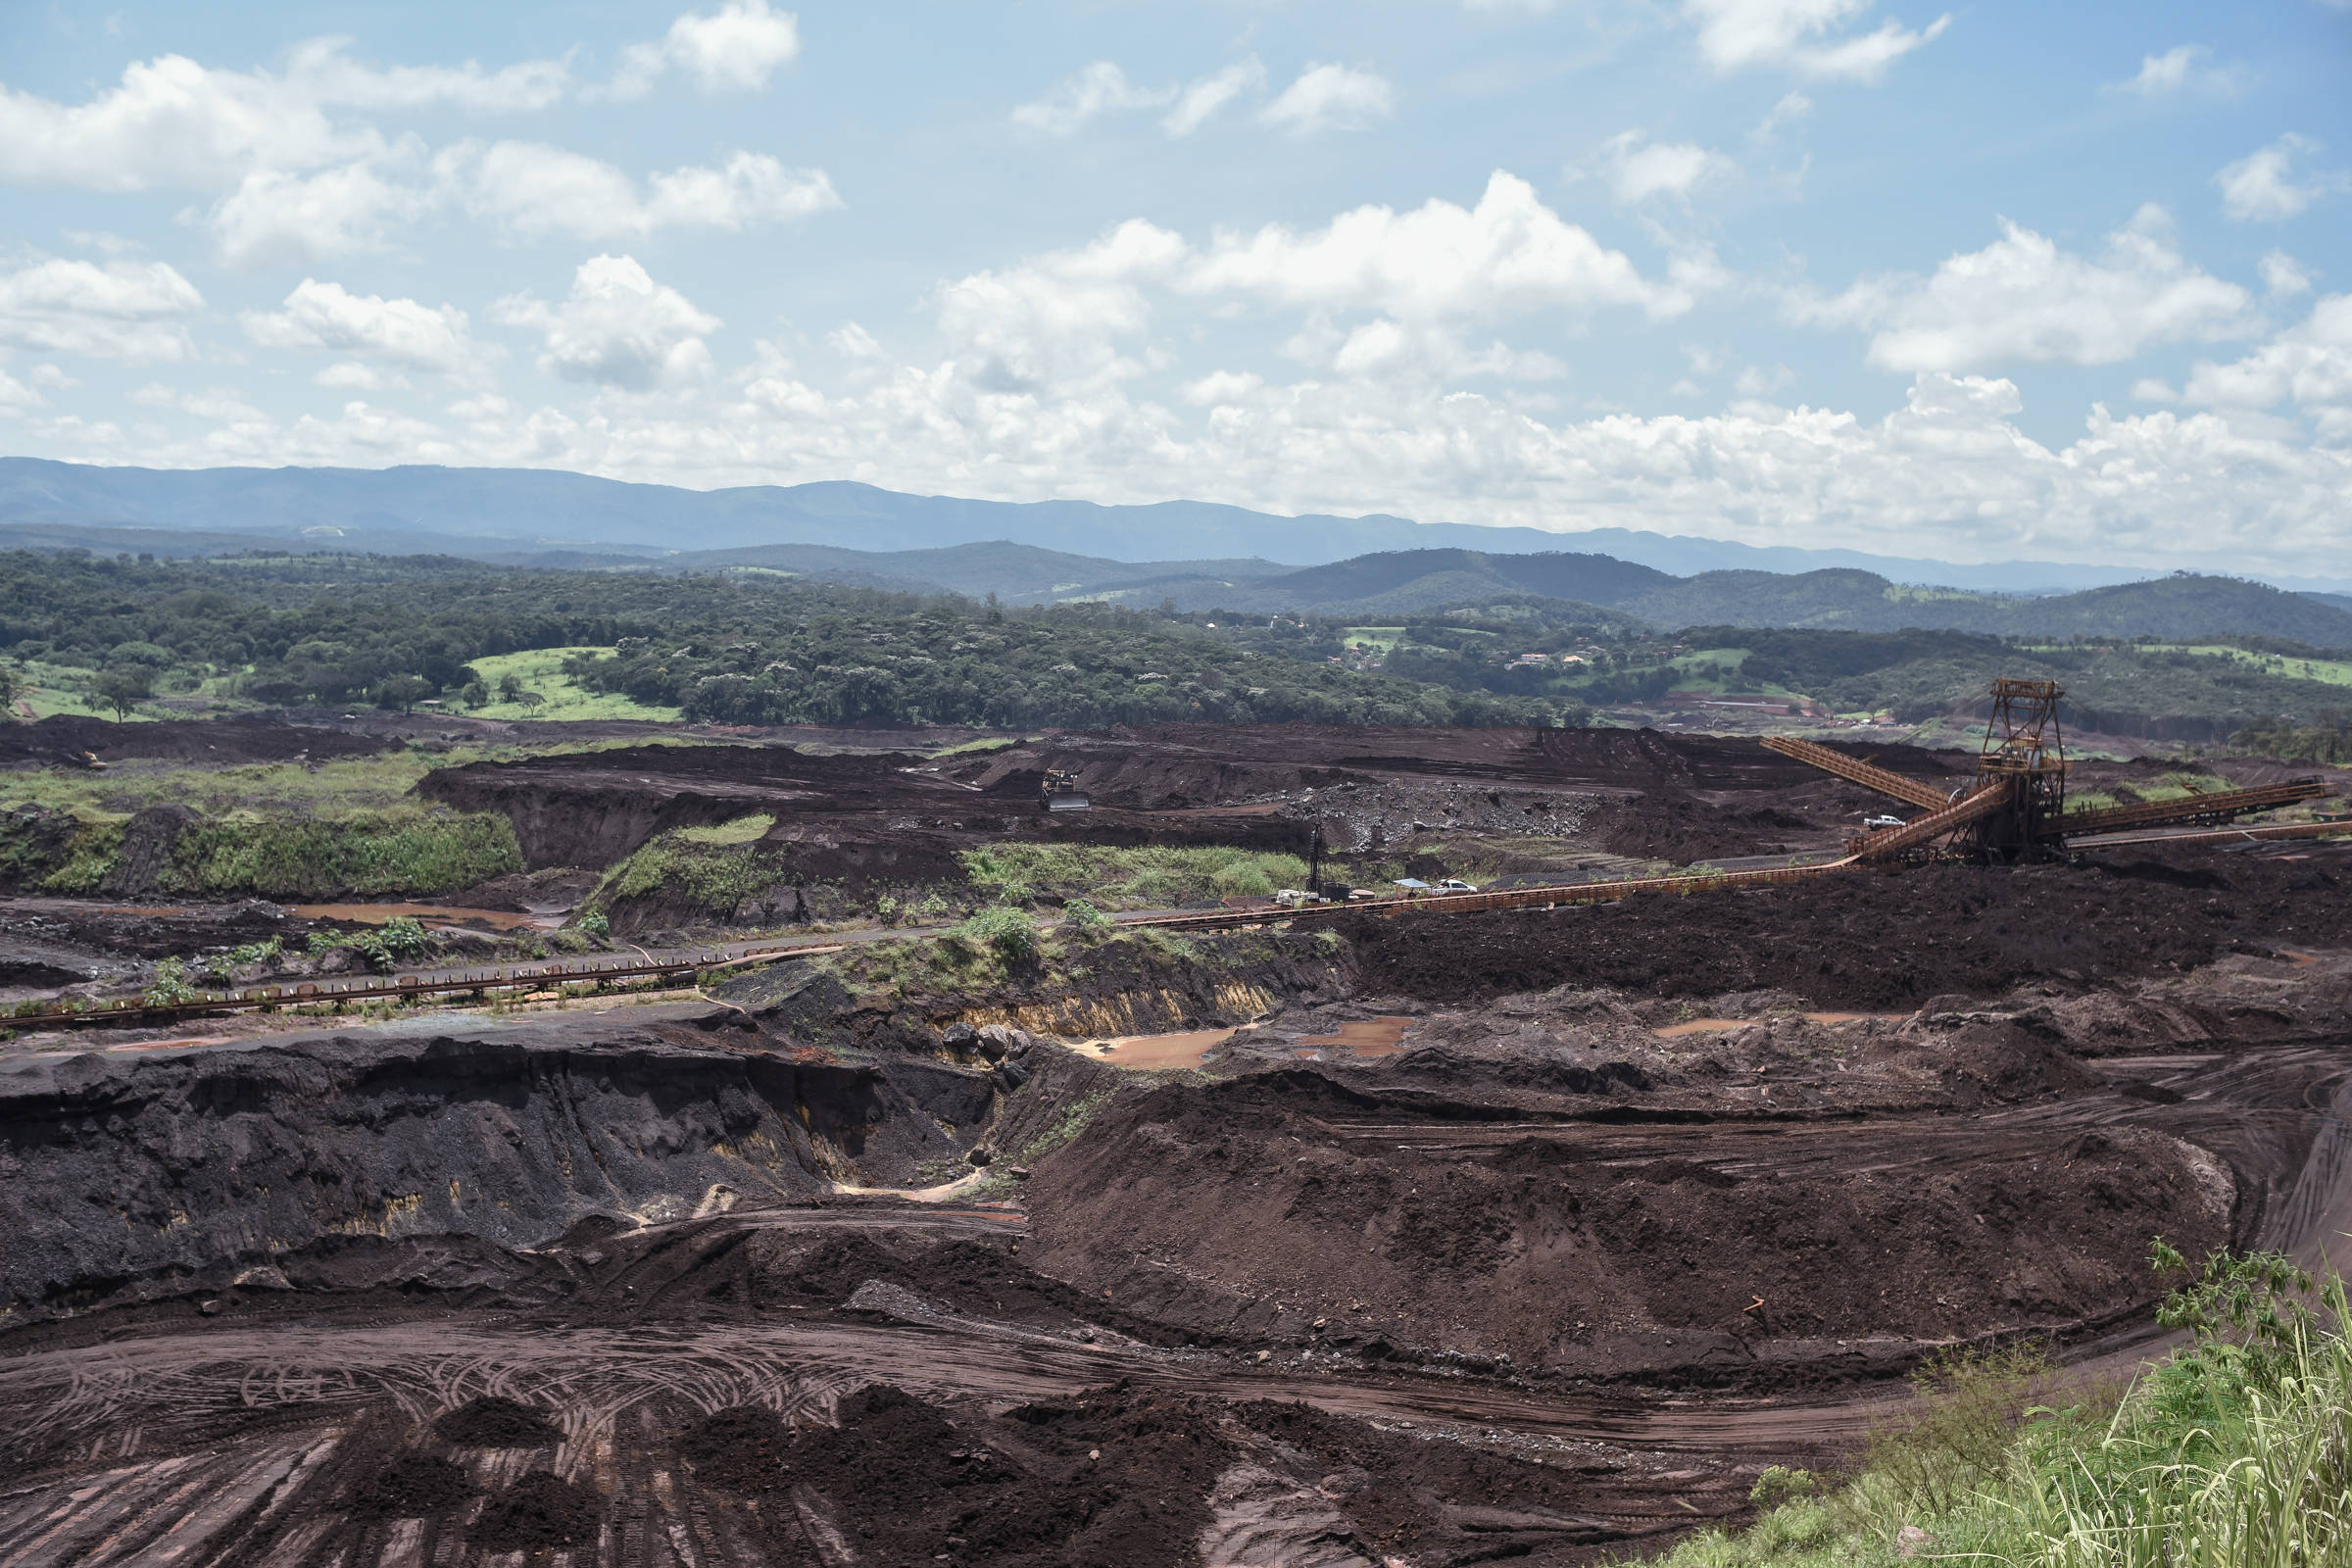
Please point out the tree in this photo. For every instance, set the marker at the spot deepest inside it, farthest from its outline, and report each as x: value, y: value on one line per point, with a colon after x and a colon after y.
x: 510, y: 687
x: 11, y: 683
x: 401, y: 691
x: 122, y: 688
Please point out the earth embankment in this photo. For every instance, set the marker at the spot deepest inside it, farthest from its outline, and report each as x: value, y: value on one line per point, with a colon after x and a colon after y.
x: 199, y: 1164
x: 1863, y: 940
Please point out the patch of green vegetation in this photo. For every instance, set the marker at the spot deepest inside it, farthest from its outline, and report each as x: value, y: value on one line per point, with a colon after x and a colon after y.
x: 742, y: 830
x: 2230, y: 1454
x: 404, y: 851
x: 1006, y: 933
x: 2331, y: 672
x: 532, y: 684
x: 993, y: 743
x: 717, y: 878
x: 1147, y: 877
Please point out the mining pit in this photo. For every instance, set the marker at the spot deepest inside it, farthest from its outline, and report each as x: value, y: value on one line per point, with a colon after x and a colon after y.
x: 1522, y: 1236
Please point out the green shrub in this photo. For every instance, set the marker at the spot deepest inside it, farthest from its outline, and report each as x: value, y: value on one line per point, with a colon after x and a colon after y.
x: 1084, y: 919
x: 169, y: 988
x: 1242, y: 879
x: 594, y: 923
x: 1007, y: 933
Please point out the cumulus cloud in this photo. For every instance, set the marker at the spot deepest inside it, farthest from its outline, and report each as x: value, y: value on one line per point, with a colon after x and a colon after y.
x: 617, y: 328
x: 398, y: 331
x: 2261, y: 187
x: 277, y: 216
x: 2024, y: 300
x: 1740, y: 34
x: 1330, y: 97
x: 736, y: 50
x: 2284, y: 275
x: 2308, y: 363
x: 535, y: 189
x: 174, y: 123
x: 126, y: 311
x: 1638, y: 169
x: 2184, y: 69
x: 1508, y: 254
x: 1058, y: 320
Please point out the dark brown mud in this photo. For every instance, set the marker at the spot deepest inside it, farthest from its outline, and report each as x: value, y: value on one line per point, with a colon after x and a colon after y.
x: 1873, y: 941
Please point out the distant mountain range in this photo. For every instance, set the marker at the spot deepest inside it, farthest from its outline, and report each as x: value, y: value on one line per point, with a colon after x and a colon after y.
x: 525, y: 514
x: 1337, y: 566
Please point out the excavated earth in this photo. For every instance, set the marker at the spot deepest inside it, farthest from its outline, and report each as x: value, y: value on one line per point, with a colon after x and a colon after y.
x: 1519, y: 1237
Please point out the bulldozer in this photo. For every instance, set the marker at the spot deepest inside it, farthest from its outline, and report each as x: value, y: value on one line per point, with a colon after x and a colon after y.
x: 1061, y: 791
x: 2015, y: 808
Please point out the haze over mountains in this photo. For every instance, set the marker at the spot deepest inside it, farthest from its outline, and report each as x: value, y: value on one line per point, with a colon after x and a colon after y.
x: 1195, y: 555
x: 528, y: 510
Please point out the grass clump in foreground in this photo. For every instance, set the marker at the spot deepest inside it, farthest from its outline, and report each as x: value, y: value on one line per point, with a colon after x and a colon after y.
x: 2234, y: 1454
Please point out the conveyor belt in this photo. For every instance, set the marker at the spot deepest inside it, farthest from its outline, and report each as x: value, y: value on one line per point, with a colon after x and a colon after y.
x: 1910, y: 791
x: 2215, y: 808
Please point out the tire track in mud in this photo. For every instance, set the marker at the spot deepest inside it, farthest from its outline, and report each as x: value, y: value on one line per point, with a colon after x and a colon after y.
x: 638, y: 1385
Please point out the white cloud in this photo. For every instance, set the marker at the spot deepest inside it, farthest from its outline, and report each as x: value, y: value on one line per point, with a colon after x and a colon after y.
x: 1222, y: 387
x: 276, y: 215
x: 617, y: 328
x: 853, y: 342
x: 1736, y: 34
x: 2284, y: 275
x: 403, y: 332
x: 2261, y: 186
x: 1099, y: 88
x: 1638, y: 169
x: 1392, y: 350
x: 2310, y: 363
x: 1054, y: 322
x: 320, y: 69
x: 2179, y: 69
x: 170, y: 122
x: 128, y: 311
x: 1755, y: 381
x: 2148, y: 389
x: 1205, y: 97
x: 350, y: 376
x: 535, y: 189
x: 1508, y: 254
x: 16, y: 396
x: 1793, y: 107
x: 2024, y: 300
x: 735, y: 50
x: 175, y: 123
x: 1330, y: 97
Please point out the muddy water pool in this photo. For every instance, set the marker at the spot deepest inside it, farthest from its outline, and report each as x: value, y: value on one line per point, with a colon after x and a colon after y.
x: 1156, y: 1052
x: 1366, y: 1038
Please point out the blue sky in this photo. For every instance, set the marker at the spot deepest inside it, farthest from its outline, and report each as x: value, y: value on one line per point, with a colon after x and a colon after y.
x: 1978, y: 282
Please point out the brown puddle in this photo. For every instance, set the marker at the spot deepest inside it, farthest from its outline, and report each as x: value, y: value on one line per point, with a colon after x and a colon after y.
x: 1366, y: 1038
x: 1152, y: 1052
x: 428, y: 914
x: 1701, y: 1026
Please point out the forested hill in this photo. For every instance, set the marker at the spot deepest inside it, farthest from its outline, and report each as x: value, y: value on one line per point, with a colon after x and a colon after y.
x: 1433, y: 581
